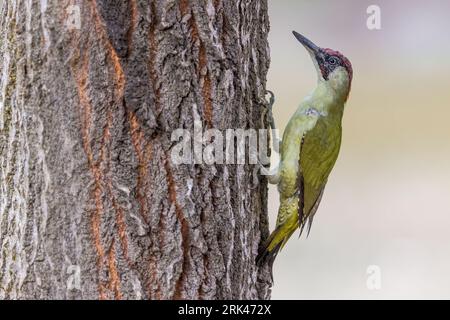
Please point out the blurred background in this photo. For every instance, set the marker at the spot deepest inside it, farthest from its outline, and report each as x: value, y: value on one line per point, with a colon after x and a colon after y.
x: 387, y: 202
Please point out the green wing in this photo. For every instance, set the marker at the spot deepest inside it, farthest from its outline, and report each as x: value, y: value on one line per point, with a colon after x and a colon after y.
x: 318, y: 154
x: 291, y: 182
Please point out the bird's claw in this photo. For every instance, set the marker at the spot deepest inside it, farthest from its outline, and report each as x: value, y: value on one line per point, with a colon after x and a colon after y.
x: 272, y: 98
x: 261, y: 170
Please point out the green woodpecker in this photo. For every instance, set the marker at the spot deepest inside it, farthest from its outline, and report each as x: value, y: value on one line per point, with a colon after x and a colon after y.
x: 310, y: 147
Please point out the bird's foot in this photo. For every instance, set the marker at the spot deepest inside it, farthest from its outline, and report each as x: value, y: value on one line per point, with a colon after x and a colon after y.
x: 276, y: 142
x: 272, y: 175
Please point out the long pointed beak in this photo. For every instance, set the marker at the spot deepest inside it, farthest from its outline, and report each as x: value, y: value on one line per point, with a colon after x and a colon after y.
x: 308, y: 44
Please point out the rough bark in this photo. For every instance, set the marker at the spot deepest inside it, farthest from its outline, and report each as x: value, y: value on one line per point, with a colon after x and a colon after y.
x: 86, y: 180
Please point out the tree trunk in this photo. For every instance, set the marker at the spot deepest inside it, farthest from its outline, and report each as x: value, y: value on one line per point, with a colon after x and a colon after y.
x: 91, y: 204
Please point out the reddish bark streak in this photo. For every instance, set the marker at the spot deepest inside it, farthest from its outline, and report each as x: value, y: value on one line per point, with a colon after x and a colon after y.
x: 104, y: 158
x: 203, y: 73
x: 86, y: 115
x: 114, y: 281
x: 153, y: 54
x: 144, y: 154
x: 184, y: 7
x: 153, y: 266
x: 133, y: 20
x: 184, y: 229
x: 217, y: 4
x: 206, y: 89
x: 120, y: 220
x: 118, y: 70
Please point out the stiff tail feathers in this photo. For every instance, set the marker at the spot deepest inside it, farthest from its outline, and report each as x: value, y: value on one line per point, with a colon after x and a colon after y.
x: 266, y: 255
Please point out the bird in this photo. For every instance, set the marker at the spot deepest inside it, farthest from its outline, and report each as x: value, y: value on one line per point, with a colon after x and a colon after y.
x: 309, y: 147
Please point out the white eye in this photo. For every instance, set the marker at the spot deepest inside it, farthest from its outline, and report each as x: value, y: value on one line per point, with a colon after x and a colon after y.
x: 333, y: 60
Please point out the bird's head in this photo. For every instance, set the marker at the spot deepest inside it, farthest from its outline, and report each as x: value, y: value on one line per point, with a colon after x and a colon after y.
x: 332, y: 66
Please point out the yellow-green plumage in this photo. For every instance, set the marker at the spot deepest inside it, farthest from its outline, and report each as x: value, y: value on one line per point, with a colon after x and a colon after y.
x: 309, y: 150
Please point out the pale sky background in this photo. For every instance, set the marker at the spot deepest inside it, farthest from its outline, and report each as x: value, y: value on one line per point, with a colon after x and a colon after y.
x: 387, y: 202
